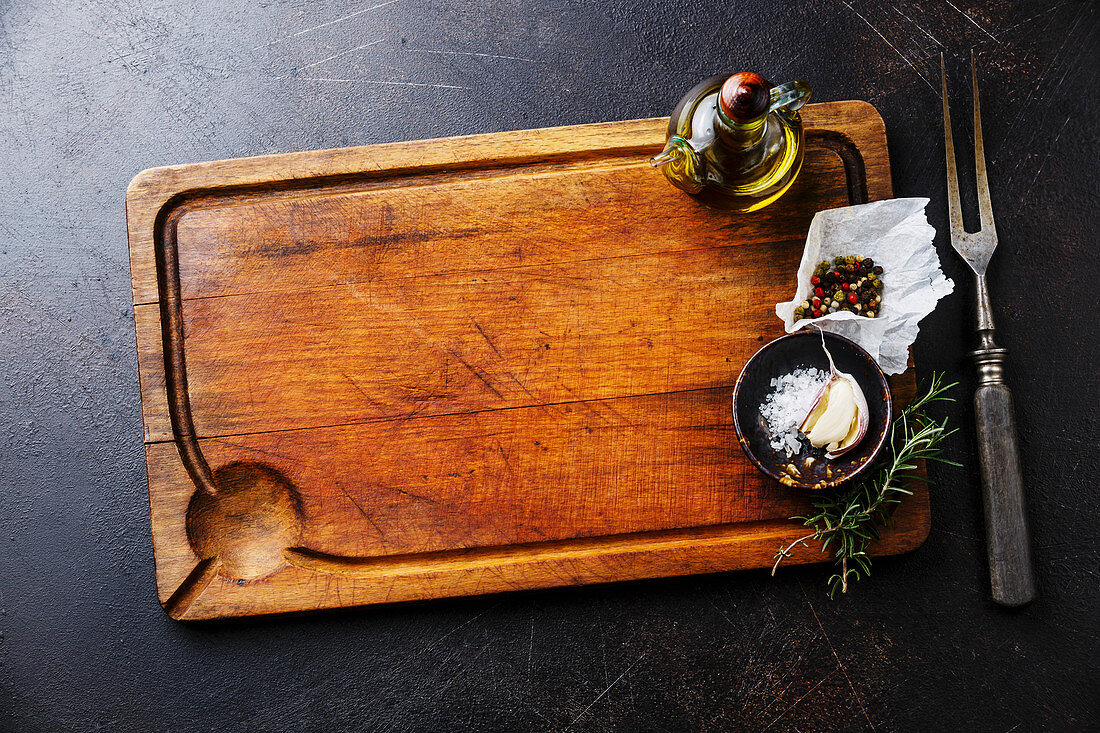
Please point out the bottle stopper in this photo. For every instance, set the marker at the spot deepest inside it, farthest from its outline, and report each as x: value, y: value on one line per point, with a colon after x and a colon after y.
x: 744, y: 97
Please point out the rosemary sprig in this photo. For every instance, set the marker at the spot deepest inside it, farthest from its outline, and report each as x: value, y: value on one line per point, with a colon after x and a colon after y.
x: 850, y: 517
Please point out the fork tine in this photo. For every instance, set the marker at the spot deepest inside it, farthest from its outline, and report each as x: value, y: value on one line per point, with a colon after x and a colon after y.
x: 958, y: 234
x: 985, y: 206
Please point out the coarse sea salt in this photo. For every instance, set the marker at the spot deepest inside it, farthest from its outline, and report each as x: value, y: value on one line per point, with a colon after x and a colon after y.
x: 787, y: 404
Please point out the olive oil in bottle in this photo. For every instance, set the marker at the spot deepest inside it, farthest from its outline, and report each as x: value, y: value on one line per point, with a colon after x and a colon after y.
x: 735, y: 142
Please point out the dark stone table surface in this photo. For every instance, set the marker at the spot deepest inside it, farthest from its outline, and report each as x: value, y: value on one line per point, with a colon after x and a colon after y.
x: 93, y: 91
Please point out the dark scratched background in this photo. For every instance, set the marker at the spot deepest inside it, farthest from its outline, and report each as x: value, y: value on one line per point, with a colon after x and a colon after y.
x: 91, y: 92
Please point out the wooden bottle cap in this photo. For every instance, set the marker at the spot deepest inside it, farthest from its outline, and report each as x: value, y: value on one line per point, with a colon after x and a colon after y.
x: 744, y: 97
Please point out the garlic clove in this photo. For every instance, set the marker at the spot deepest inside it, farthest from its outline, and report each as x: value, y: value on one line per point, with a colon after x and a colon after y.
x: 821, y: 402
x: 849, y: 439
x: 839, y: 416
x: 858, y: 427
x: 834, y: 423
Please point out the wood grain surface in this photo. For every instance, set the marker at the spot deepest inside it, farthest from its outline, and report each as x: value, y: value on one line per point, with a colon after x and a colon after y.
x: 487, y: 363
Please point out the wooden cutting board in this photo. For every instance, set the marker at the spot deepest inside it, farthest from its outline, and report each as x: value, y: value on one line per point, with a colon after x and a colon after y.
x: 463, y: 366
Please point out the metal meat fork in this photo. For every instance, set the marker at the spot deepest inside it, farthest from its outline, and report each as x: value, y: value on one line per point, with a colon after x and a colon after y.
x: 1011, y: 574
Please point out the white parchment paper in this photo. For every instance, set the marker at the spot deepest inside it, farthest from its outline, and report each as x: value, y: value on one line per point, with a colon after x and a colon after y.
x: 896, y: 234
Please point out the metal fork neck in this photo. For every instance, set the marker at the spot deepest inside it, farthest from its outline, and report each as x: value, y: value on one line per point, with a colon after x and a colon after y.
x: 984, y: 306
x: 988, y: 357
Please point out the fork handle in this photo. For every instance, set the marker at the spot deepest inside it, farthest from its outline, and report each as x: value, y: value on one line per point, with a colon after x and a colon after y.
x: 1012, y: 576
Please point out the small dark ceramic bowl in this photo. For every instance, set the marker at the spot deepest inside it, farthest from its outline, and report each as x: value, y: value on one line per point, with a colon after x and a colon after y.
x: 783, y: 356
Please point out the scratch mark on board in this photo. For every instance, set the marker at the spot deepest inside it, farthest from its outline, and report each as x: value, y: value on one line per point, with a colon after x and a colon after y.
x: 892, y: 46
x: 405, y: 662
x: 410, y: 494
x: 1050, y: 149
x: 836, y: 656
x: 918, y: 26
x: 252, y: 449
x: 336, y: 56
x: 488, y: 340
x: 362, y: 511
x: 972, y: 21
x: 470, y: 53
x: 793, y: 704
x: 378, y: 81
x: 608, y: 689
x: 475, y: 372
x: 370, y: 400
x: 531, y: 645
x: 504, y: 456
x: 1027, y: 21
x: 341, y: 19
x: 1039, y: 84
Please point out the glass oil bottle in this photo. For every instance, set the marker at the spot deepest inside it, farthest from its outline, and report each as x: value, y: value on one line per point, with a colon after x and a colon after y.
x: 735, y: 142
